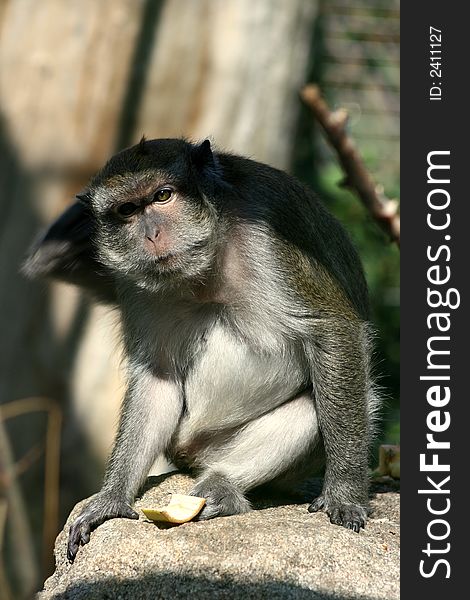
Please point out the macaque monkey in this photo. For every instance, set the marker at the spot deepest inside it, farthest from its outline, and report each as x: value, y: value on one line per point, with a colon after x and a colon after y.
x: 245, y: 323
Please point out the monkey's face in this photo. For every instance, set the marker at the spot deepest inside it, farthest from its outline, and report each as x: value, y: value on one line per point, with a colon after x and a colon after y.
x: 153, y: 220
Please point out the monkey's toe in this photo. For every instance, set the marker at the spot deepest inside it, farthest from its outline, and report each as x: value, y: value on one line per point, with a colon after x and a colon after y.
x: 222, y: 498
x: 317, y: 504
x: 211, y: 509
x: 351, y: 516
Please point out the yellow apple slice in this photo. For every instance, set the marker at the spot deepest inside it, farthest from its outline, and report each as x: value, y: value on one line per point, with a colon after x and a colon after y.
x: 180, y: 509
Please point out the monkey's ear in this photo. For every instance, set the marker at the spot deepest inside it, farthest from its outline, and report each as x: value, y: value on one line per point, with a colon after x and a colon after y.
x: 202, y: 157
x: 65, y: 252
x: 83, y: 198
x: 66, y: 238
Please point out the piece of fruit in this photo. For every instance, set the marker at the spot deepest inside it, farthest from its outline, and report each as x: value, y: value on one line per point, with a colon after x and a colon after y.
x: 180, y: 509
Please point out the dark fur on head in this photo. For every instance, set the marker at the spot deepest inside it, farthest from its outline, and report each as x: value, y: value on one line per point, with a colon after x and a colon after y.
x: 142, y: 147
x: 187, y: 225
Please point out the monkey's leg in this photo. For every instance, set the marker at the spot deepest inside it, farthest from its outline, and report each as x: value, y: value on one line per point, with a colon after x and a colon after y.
x: 258, y: 453
x: 149, y: 416
x: 341, y: 385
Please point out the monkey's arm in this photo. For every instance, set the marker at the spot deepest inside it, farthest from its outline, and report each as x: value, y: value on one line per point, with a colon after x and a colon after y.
x: 150, y: 413
x: 343, y: 398
x: 65, y: 252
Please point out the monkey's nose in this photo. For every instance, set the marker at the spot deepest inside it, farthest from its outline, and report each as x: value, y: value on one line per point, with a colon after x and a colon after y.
x: 152, y: 236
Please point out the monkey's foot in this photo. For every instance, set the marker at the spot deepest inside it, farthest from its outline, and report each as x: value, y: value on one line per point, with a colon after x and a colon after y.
x: 100, y: 509
x: 222, y: 498
x: 351, y: 516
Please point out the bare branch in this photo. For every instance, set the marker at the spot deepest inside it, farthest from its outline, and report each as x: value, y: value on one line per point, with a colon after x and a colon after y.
x: 22, y: 540
x: 357, y: 178
x: 52, y: 464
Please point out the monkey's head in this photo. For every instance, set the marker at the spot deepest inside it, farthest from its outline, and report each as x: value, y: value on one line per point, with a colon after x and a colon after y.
x: 154, y: 219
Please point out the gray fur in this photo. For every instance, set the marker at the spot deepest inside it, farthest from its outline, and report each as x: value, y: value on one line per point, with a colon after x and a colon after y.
x: 223, y: 498
x: 245, y: 328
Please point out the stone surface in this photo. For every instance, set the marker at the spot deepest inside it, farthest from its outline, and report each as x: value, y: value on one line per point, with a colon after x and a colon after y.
x: 278, y: 551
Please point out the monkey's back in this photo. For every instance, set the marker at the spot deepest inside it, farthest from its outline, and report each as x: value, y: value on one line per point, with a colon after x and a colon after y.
x: 301, y: 225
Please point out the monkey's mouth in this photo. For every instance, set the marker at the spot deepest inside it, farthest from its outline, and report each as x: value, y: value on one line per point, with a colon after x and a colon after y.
x: 163, y: 258
x: 161, y: 262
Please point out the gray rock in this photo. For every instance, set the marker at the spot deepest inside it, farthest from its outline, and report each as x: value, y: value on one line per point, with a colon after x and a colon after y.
x: 274, y: 552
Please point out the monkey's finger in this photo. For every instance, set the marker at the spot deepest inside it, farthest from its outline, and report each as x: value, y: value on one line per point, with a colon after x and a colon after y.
x: 79, y: 534
x: 350, y: 517
x: 336, y: 517
x: 317, y: 504
x: 354, y: 525
x: 73, y: 543
x: 72, y: 550
x: 85, y: 531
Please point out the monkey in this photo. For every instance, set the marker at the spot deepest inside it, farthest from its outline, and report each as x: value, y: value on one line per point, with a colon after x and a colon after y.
x: 246, y: 327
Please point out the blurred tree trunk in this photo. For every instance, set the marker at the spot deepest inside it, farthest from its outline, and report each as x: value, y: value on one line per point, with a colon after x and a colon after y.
x: 79, y: 80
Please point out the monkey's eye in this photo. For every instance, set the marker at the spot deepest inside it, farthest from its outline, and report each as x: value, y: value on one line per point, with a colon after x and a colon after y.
x: 163, y: 195
x: 127, y: 209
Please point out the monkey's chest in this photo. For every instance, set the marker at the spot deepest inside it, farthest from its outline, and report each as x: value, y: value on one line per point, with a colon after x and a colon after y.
x: 229, y: 384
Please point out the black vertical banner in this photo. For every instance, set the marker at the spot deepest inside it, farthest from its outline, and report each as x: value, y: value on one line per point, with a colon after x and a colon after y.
x: 435, y: 215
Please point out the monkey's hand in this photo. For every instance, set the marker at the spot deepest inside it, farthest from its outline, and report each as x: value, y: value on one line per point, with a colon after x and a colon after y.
x: 351, y: 516
x: 102, y: 507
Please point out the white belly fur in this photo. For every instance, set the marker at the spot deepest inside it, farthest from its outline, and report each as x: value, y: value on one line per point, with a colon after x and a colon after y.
x: 230, y: 384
